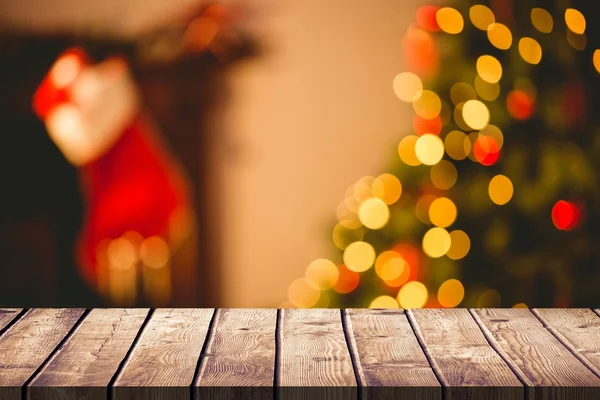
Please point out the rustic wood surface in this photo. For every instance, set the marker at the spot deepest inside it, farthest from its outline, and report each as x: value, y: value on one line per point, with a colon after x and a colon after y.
x: 64, y: 354
x: 539, y: 359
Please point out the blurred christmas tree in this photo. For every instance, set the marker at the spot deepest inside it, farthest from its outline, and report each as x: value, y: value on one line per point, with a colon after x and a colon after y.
x: 493, y: 198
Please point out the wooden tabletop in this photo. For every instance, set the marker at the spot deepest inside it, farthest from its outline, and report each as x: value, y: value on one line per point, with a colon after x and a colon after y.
x: 299, y: 353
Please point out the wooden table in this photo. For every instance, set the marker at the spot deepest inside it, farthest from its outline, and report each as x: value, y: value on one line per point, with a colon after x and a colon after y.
x: 299, y: 353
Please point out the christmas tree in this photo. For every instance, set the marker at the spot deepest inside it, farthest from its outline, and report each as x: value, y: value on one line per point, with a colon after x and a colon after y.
x: 493, y: 198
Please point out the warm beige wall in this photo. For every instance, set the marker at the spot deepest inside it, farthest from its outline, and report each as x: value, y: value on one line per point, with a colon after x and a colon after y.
x: 308, y: 120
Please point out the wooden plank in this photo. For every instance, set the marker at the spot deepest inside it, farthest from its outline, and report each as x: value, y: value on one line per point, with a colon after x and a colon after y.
x: 7, y: 315
x: 578, y: 329
x: 28, y: 343
x: 314, y: 361
x: 84, y: 366
x: 239, y: 362
x: 163, y: 363
x: 537, y: 356
x: 463, y: 360
x: 389, y: 361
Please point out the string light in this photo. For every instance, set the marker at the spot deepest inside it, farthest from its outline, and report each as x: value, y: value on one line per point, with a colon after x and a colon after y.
x: 500, y: 189
x: 451, y: 293
x: 460, y: 245
x: 449, y: 20
x: 530, y: 50
x: 481, y: 16
x: 429, y: 149
x: 407, y: 86
x: 359, y: 256
x: 499, y: 36
x: 412, y: 295
x: 542, y: 20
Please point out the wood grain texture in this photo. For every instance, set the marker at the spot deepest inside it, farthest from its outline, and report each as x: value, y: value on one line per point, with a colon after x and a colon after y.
x: 163, y: 363
x: 466, y: 364
x: 28, y: 343
x: 7, y: 315
x: 540, y: 359
x: 87, y: 362
x: 314, y: 360
x: 239, y: 362
x: 389, y: 361
x: 578, y: 329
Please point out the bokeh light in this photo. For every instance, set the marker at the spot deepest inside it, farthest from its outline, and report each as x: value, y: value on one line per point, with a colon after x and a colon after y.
x: 442, y: 212
x: 436, y: 242
x: 489, y: 298
x: 565, y: 215
x: 458, y: 117
x: 460, y: 244
x: 428, y: 105
x: 530, y: 50
x: 406, y: 150
x: 422, y: 208
x: 493, y: 132
x: 422, y: 125
x: 384, y: 302
x: 426, y: 18
x: 343, y: 236
x: 481, y: 16
x: 154, y: 252
x: 443, y: 175
x: 388, y: 188
x: 363, y: 189
x: 596, y: 60
x: 575, y: 21
x: 476, y: 114
x: 499, y: 36
x: 520, y: 104
x: 347, y: 280
x: 429, y: 149
x: 121, y: 254
x: 457, y: 145
x: 359, y: 256
x: 321, y: 274
x: 486, y: 90
x: 390, y: 265
x: 408, y: 86
x: 302, y: 295
x: 489, y: 68
x: 412, y: 295
x: 451, y: 293
x: 520, y: 305
x: 542, y: 20
x: 374, y: 213
x: 462, y: 92
x: 578, y: 42
x: 500, y: 189
x: 485, y: 150
x: 449, y: 20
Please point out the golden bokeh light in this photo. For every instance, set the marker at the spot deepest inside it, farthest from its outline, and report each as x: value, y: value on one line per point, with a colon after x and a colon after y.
x: 422, y: 208
x: 359, y: 256
x: 413, y: 295
x: 121, y: 254
x: 458, y: 117
x: 407, y: 86
x: 485, y: 90
x: 443, y: 175
x: 457, y: 144
x: 578, y: 42
x: 481, y: 16
x: 374, y: 213
x: 429, y: 149
x: 436, y: 242
x: 442, y: 212
x: 451, y: 293
x: 596, y: 60
x: 499, y: 36
x: 406, y: 150
x: 500, y: 189
x: 530, y: 50
x: 492, y: 131
x: 302, y: 295
x: 363, y: 189
x: 520, y: 305
x: 343, y: 236
x: 489, y: 299
x: 472, y: 138
x: 542, y: 20
x: 489, y: 68
x: 445, y: 113
x: 390, y: 265
x: 388, y: 188
x: 449, y: 20
x: 460, y: 244
x: 384, y: 302
x: 154, y: 252
x: 321, y: 274
x: 575, y: 21
x: 461, y: 92
x: 476, y: 114
x: 428, y: 105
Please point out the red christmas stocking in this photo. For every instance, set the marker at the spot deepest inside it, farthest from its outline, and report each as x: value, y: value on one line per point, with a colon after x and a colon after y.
x: 133, y: 190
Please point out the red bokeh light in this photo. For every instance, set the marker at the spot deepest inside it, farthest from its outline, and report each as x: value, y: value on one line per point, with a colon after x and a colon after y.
x: 422, y: 125
x: 347, y: 281
x: 420, y: 52
x: 410, y: 254
x: 565, y: 215
x: 520, y: 104
x: 426, y: 18
x: 486, y: 150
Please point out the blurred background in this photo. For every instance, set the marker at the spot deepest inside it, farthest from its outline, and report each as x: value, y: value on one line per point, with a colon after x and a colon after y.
x: 299, y: 153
